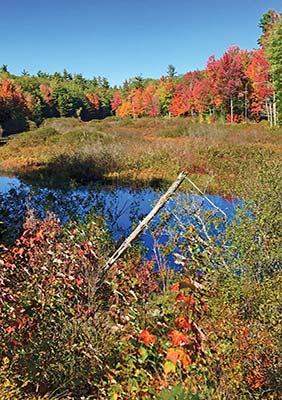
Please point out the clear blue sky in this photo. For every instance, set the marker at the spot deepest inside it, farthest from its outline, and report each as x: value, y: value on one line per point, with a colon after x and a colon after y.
x: 124, y: 38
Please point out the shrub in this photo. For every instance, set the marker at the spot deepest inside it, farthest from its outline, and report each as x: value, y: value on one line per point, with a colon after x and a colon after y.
x: 62, y: 124
x: 51, y: 327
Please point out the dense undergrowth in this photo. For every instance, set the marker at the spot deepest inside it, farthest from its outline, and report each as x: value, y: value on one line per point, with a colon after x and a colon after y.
x: 141, y: 152
x: 211, y: 332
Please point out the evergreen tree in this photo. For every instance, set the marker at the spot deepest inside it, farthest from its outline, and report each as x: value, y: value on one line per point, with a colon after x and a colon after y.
x: 273, y: 45
x: 63, y: 101
x: 4, y: 68
x: 171, y: 71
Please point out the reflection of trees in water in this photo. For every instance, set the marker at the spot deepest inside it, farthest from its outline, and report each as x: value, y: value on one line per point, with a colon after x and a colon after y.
x: 122, y: 209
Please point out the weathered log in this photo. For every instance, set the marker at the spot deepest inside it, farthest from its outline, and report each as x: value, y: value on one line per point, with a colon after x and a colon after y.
x: 143, y: 224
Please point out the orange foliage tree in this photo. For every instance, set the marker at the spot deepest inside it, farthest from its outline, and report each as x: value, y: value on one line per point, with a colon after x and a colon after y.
x: 12, y: 101
x: 93, y: 100
x: 124, y: 110
x: 182, y: 102
x: 46, y: 92
x: 137, y: 104
x: 151, y: 101
x: 258, y: 73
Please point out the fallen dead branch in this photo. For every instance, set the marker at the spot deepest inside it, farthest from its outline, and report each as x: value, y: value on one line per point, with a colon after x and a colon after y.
x: 143, y: 224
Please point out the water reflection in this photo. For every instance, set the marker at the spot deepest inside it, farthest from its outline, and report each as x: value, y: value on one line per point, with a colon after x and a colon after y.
x: 7, y: 183
x: 122, y: 208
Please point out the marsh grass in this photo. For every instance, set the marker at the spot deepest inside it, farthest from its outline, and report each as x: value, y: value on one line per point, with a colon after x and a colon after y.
x: 62, y: 124
x: 85, y: 135
x: 217, y: 156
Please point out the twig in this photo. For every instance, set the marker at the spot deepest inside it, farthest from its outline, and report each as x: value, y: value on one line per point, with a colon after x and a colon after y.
x: 205, y: 197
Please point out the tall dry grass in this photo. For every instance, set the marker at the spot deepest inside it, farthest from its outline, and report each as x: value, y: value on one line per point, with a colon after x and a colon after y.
x: 217, y: 156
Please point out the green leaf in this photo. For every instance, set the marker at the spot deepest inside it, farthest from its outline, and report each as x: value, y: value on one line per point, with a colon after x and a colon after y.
x: 143, y: 353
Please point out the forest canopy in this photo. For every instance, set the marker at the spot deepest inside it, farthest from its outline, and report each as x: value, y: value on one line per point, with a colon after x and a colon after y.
x: 241, y: 85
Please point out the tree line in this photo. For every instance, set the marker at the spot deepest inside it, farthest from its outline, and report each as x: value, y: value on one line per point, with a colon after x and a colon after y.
x: 238, y: 86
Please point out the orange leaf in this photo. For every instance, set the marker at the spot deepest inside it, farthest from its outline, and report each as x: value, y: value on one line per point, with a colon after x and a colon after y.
x: 39, y: 235
x: 146, y: 337
x: 126, y: 337
x: 20, y: 251
x: 186, y: 299
x: 11, y: 328
x: 174, y: 287
x: 175, y: 355
x: 177, y: 338
x: 21, y: 323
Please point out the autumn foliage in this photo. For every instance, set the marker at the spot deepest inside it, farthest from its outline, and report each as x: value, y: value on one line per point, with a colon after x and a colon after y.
x: 235, y: 88
x: 146, y: 337
x: 236, y: 85
x: 12, y: 101
x: 94, y: 101
x: 130, y: 334
x: 213, y: 330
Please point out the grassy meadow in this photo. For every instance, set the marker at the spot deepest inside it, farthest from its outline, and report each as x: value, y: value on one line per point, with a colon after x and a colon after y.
x: 211, y: 332
x: 142, y: 152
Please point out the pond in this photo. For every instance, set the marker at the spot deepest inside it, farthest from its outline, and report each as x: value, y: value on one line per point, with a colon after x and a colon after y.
x: 121, y: 207
x: 7, y: 183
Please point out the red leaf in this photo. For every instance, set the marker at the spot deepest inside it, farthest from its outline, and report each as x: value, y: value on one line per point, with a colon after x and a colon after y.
x: 182, y: 322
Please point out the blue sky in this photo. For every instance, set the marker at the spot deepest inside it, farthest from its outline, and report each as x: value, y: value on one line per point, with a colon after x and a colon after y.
x: 121, y: 39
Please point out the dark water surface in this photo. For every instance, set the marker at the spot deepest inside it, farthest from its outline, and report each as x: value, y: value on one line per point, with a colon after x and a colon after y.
x: 122, y: 208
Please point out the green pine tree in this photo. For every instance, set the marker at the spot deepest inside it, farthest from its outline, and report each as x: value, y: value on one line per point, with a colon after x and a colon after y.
x: 274, y: 54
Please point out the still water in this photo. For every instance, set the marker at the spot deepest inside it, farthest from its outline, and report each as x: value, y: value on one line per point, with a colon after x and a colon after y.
x: 7, y: 183
x: 122, y: 208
